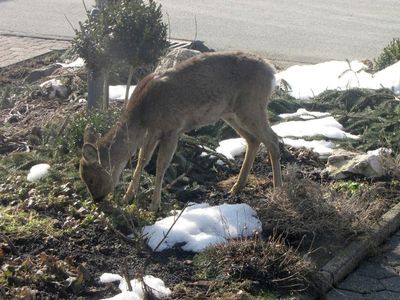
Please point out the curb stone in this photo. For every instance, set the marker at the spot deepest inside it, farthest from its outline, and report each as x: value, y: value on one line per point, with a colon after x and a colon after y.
x: 350, y: 257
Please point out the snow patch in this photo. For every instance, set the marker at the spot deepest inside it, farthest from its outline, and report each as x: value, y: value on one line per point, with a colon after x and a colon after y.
x: 37, y: 172
x: 110, y: 277
x: 232, y: 147
x: 117, y: 92
x: 155, y: 284
x: 322, y: 147
x: 307, y: 81
x: 77, y: 63
x: 201, y: 226
x: 304, y: 114
x: 327, y: 127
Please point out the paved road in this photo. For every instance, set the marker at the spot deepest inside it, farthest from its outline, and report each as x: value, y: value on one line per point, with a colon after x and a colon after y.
x: 291, y: 30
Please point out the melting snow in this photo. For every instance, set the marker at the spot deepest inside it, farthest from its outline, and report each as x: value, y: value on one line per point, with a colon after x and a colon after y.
x: 322, y: 147
x: 137, y: 293
x: 327, y: 127
x: 232, y: 147
x: 307, y: 81
x: 304, y: 114
x: 117, y: 92
x: 37, y: 172
x: 201, y: 226
x: 78, y: 63
x: 314, y: 124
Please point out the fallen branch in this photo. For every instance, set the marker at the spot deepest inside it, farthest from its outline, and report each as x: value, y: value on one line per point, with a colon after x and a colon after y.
x: 192, y: 141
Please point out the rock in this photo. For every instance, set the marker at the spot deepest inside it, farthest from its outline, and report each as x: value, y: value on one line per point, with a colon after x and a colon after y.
x: 175, y: 57
x: 55, y: 88
x: 343, y: 164
x: 41, y: 73
x: 200, y: 46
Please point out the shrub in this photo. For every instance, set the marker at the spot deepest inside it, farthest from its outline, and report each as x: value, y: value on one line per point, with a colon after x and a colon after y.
x: 389, y: 55
x: 72, y: 137
x: 254, y: 265
x: 127, y: 30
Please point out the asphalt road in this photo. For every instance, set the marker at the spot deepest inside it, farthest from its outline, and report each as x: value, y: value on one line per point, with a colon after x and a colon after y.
x: 286, y: 30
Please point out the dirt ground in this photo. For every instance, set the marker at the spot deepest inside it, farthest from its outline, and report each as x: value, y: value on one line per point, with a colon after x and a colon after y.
x: 65, y: 259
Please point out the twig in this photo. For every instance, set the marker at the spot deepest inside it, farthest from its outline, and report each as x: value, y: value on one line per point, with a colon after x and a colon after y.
x: 84, y: 5
x: 170, y: 228
x: 195, y: 28
x: 126, y: 275
x: 173, y: 182
x: 147, y: 261
x: 169, y: 25
x: 69, y: 22
x: 111, y: 226
x: 192, y: 141
x: 63, y: 125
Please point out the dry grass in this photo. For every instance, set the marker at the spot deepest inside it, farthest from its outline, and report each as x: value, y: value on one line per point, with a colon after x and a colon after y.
x: 253, y: 265
x: 305, y: 207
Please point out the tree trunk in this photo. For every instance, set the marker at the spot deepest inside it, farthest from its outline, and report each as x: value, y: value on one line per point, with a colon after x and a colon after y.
x: 95, y: 88
x: 106, y: 96
x: 128, y: 85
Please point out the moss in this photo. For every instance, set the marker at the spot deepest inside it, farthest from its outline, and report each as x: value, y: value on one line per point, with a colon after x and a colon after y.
x: 21, y: 222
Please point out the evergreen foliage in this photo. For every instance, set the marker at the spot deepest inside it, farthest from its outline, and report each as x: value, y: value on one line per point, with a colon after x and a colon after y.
x: 389, y: 55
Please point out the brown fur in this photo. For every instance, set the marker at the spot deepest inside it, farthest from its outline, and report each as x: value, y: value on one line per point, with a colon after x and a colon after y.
x: 234, y: 87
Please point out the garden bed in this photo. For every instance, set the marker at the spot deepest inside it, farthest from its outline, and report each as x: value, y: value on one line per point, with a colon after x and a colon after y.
x: 55, y: 242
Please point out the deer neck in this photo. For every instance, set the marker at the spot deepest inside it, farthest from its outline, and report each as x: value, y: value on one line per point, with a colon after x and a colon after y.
x: 118, y: 146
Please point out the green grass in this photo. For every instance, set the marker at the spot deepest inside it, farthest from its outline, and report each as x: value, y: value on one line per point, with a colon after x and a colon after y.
x: 21, y: 222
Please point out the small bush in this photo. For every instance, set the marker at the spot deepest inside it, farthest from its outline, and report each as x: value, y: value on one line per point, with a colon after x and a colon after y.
x: 254, y: 265
x: 389, y: 55
x: 72, y: 137
x: 305, y: 208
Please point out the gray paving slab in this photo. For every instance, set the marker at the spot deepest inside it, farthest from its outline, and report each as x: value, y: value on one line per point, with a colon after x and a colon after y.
x: 377, y: 278
x: 14, y: 49
x: 361, y: 284
x: 375, y: 270
x: 338, y: 294
x: 392, y: 283
x: 383, y: 295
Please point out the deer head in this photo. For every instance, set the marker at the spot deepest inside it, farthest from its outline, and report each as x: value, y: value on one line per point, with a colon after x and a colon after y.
x: 97, y: 178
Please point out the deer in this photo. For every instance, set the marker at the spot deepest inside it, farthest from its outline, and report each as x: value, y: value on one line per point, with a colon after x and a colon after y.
x: 233, y: 86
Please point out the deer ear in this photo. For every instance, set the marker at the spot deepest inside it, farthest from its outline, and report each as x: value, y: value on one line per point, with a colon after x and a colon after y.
x: 89, y: 152
x: 89, y: 135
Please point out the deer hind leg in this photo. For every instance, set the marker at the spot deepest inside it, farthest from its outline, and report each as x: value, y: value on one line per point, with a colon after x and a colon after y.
x: 252, y: 146
x: 256, y: 123
x: 165, y: 153
x: 144, y: 157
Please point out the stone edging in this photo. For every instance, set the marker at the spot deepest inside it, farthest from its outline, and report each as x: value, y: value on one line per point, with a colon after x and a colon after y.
x: 350, y: 257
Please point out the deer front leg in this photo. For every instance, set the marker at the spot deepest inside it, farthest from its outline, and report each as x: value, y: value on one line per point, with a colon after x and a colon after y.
x: 145, y: 154
x: 165, y: 153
